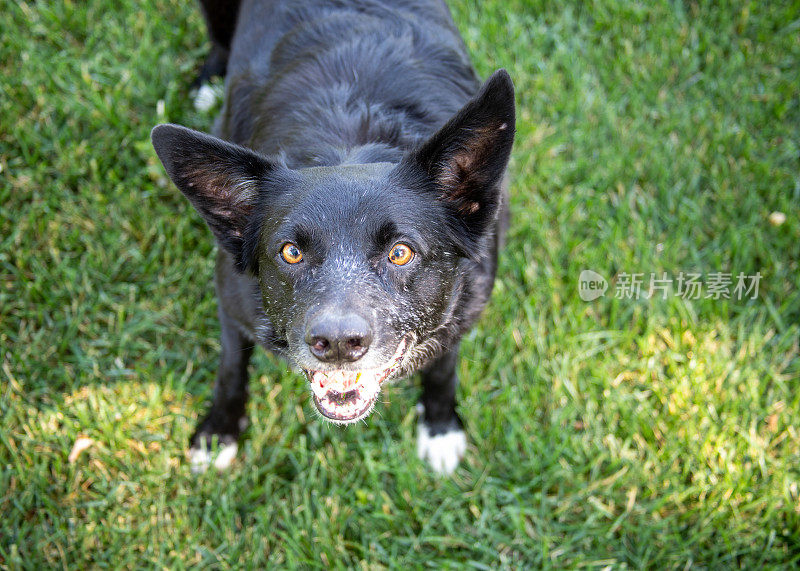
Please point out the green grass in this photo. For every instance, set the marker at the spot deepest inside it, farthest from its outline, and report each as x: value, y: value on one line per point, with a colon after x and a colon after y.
x: 652, y: 137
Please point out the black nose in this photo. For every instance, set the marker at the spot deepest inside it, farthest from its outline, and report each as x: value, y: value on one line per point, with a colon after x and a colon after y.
x: 340, y: 338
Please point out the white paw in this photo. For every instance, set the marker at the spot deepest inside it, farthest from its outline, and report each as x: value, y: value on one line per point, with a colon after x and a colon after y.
x: 444, y: 451
x: 201, y: 458
x: 206, y: 98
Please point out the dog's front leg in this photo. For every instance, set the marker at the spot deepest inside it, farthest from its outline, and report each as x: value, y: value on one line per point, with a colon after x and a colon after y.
x: 440, y: 433
x: 226, y: 419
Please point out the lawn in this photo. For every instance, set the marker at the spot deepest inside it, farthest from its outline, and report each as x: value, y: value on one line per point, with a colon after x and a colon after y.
x: 632, y: 431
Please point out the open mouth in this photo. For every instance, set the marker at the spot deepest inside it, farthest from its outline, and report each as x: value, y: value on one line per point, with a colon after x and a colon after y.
x: 348, y: 396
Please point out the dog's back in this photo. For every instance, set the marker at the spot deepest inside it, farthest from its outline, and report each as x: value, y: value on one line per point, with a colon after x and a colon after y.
x: 316, y: 79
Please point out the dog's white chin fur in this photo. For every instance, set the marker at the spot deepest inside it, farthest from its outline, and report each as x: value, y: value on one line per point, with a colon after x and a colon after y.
x: 344, y: 397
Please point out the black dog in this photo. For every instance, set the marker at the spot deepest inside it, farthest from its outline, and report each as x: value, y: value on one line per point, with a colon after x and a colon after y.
x: 359, y: 206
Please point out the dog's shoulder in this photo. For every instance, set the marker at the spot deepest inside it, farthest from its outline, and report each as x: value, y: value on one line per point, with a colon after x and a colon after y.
x: 401, y: 65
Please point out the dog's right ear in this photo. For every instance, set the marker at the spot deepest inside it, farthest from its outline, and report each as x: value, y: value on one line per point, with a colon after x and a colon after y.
x: 220, y: 179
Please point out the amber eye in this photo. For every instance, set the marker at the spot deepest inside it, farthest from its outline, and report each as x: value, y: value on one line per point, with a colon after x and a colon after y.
x: 291, y: 254
x: 401, y: 254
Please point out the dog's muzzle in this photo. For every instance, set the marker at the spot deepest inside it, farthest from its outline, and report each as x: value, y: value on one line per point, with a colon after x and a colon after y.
x: 347, y: 396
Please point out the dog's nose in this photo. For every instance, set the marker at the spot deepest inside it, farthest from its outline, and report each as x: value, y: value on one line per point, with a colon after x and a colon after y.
x: 343, y: 338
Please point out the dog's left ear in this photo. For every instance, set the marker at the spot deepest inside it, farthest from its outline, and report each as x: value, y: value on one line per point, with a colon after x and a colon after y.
x: 467, y: 157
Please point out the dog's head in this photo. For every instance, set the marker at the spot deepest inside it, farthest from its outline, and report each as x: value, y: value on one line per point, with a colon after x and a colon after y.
x: 358, y: 264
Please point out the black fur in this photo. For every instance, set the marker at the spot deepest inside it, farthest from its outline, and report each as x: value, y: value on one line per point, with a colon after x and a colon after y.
x: 220, y: 16
x: 361, y: 125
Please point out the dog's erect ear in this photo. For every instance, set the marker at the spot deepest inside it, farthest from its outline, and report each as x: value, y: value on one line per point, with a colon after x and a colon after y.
x: 467, y: 157
x: 221, y: 180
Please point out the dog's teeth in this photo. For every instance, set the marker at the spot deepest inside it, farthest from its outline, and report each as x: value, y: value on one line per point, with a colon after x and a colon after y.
x: 366, y: 383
